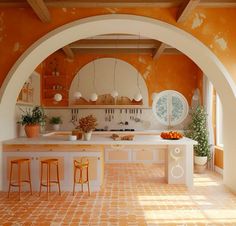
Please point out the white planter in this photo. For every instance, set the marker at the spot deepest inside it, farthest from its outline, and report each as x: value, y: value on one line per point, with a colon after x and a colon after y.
x: 87, y: 136
x: 56, y: 127
x: 200, y: 160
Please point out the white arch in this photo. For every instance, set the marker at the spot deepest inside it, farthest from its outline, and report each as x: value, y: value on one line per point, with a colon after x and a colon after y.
x: 129, y: 24
x: 105, y: 67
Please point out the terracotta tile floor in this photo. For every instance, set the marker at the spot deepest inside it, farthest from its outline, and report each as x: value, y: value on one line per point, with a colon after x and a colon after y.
x: 133, y: 194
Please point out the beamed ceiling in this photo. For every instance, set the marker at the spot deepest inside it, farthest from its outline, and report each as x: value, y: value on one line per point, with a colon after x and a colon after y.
x: 117, y: 43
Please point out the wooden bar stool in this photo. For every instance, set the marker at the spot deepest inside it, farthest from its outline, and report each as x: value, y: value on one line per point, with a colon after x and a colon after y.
x: 18, y: 163
x: 48, y: 163
x: 81, y: 166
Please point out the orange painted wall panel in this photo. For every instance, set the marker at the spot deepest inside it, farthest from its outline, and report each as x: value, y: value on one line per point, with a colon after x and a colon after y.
x: 20, y: 28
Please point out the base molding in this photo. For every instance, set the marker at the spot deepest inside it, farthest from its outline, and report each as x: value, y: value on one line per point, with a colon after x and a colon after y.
x: 218, y: 170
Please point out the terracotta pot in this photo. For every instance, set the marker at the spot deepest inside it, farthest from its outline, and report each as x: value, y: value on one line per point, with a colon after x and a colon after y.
x: 32, y: 130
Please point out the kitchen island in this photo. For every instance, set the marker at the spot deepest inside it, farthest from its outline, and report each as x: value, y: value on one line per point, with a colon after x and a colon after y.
x: 144, y: 148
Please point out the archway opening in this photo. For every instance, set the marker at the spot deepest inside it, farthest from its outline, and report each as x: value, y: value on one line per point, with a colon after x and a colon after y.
x: 108, y: 24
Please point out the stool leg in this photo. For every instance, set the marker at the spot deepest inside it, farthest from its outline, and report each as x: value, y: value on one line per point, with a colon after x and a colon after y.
x: 19, y: 179
x: 47, y: 182
x: 88, y: 182
x: 58, y: 180
x: 74, y: 180
x: 49, y: 176
x: 29, y: 178
x: 41, y: 178
x: 9, y: 188
x: 81, y: 180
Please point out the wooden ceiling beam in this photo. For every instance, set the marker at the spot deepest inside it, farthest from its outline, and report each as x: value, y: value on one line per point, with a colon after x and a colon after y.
x: 123, y: 51
x: 112, y: 51
x: 119, y: 3
x: 68, y: 51
x: 186, y: 9
x: 109, y: 43
x: 218, y: 3
x: 114, y: 3
x: 41, y: 10
x: 158, y: 51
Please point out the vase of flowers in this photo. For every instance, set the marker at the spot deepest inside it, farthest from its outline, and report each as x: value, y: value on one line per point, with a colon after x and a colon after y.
x: 87, y: 125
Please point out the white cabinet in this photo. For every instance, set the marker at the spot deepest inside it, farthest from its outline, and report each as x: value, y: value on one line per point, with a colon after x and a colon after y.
x: 138, y: 154
x: 118, y: 155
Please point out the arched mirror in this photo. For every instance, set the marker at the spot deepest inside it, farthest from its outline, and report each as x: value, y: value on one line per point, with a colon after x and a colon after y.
x: 170, y: 107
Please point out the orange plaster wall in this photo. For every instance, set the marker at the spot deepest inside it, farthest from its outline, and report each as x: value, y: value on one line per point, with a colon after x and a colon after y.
x: 176, y: 72
x: 19, y: 28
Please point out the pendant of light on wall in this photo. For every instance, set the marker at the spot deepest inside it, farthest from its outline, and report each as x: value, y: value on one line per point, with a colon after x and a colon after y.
x: 138, y: 96
x: 93, y: 97
x: 114, y: 92
x: 77, y: 95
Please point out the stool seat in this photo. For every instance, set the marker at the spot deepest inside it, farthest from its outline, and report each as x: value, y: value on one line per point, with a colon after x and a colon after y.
x: 81, y: 166
x: 18, y: 163
x: 48, y: 163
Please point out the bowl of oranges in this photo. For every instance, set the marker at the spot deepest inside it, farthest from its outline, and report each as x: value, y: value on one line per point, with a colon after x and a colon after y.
x: 171, y: 135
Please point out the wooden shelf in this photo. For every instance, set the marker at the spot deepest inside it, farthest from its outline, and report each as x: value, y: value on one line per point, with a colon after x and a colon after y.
x: 24, y: 103
x: 55, y: 90
x: 101, y: 107
x: 54, y: 76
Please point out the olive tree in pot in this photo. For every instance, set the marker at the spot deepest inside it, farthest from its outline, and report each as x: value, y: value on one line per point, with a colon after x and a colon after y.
x: 32, y: 119
x: 198, y: 131
x: 55, y: 122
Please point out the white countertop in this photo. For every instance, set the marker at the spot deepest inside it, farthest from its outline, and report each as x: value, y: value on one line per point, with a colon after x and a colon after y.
x: 100, y: 139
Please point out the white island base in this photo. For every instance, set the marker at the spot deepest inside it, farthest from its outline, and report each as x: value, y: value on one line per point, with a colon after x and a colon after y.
x: 176, y: 154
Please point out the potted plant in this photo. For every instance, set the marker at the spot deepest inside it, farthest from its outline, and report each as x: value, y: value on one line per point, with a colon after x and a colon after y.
x: 55, y: 122
x: 32, y: 119
x: 198, y: 131
x: 87, y: 125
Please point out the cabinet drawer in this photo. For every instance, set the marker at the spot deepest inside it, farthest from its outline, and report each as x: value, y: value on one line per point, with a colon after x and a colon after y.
x: 117, y: 156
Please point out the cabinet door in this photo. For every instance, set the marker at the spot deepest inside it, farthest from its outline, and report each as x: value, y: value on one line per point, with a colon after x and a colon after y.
x: 117, y: 155
x: 143, y: 155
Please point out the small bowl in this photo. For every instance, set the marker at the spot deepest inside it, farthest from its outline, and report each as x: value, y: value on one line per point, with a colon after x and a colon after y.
x: 72, y: 137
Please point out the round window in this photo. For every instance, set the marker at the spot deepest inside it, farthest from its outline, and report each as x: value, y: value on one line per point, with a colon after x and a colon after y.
x: 170, y: 107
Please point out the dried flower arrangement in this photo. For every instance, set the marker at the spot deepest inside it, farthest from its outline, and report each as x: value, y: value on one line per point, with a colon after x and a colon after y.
x: 87, y: 124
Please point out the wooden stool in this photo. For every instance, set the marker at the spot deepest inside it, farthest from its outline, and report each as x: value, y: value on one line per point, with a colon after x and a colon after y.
x: 48, y: 163
x: 18, y: 163
x: 81, y: 166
